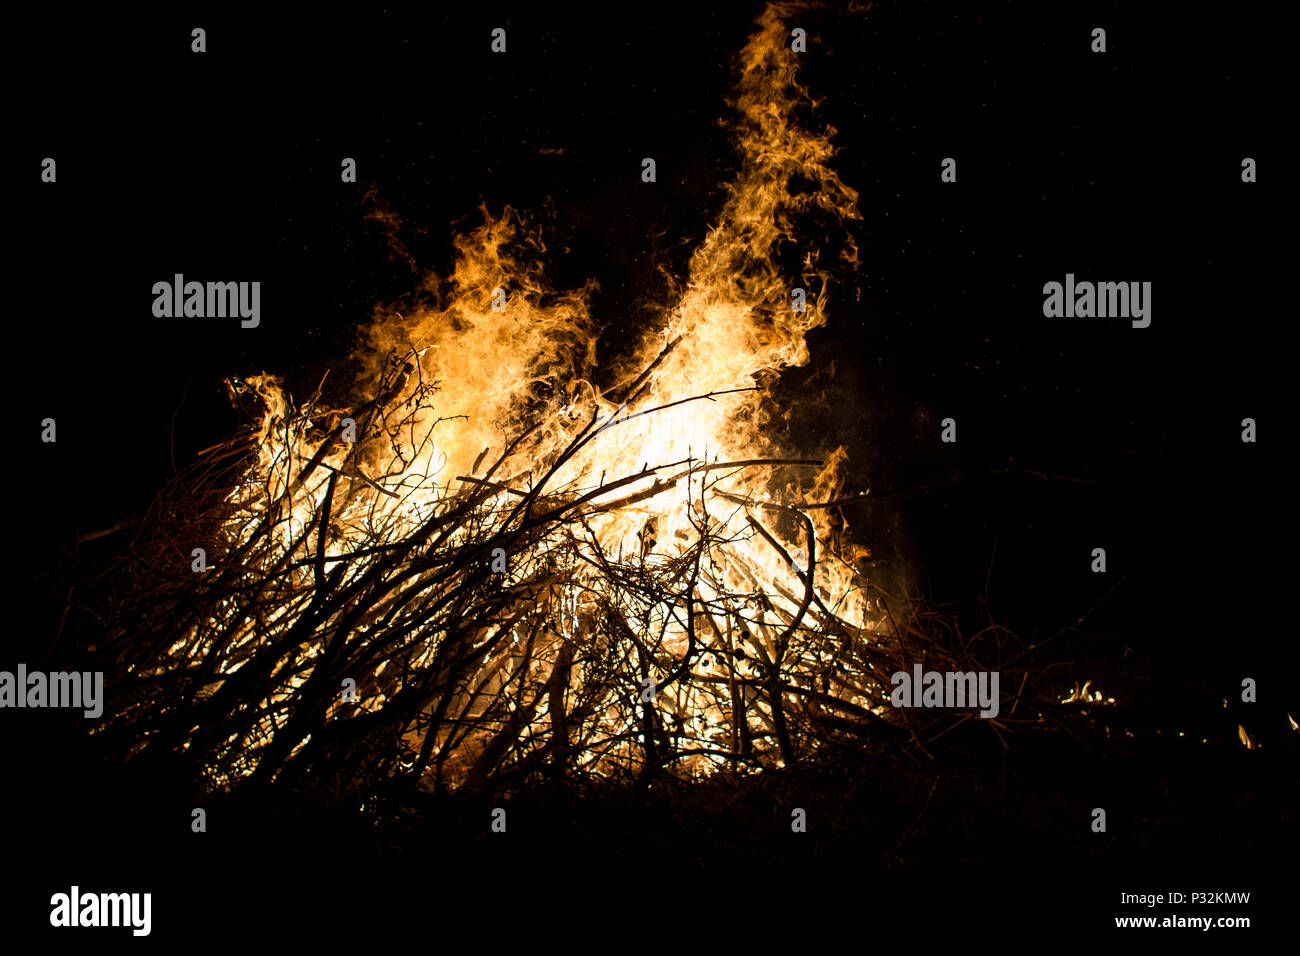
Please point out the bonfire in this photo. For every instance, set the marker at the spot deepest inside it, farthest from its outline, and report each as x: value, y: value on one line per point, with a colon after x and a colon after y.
x: 480, y: 571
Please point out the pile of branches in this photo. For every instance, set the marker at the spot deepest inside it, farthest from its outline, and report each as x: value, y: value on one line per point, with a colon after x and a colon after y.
x: 490, y: 644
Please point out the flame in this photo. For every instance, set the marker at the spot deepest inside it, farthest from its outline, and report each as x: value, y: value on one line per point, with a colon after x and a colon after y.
x: 668, y: 450
x: 1246, y: 740
x: 1083, y: 693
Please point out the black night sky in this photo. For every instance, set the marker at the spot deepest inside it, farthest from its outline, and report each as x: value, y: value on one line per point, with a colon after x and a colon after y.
x: 1120, y: 166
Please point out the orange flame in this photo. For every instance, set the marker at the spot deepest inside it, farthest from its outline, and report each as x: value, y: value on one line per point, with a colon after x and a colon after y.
x: 452, y: 382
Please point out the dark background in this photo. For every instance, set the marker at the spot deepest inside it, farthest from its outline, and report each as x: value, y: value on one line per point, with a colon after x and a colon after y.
x: 1123, y: 166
